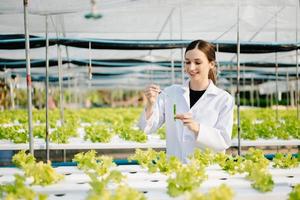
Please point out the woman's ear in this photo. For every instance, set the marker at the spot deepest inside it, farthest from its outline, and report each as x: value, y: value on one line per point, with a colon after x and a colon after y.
x: 212, y: 64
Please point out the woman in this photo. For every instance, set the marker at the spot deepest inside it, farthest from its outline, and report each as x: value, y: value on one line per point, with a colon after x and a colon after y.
x: 204, y: 112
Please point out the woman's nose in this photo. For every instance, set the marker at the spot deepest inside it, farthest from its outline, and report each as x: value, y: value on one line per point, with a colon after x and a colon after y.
x: 192, y: 66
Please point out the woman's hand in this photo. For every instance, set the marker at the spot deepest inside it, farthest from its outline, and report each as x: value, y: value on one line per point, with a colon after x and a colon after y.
x: 187, y: 120
x: 151, y: 93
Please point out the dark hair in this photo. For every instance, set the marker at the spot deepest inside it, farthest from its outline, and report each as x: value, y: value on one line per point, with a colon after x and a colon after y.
x: 209, y: 50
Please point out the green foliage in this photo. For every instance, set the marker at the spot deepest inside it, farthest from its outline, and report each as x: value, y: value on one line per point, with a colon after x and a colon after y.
x: 128, y: 133
x: 261, y: 179
x: 89, y: 161
x: 39, y: 131
x: 124, y: 192
x: 22, y: 159
x: 233, y: 165
x: 145, y: 158
x: 100, y: 173
x: 156, y: 161
x: 262, y: 123
x: 223, y: 192
x: 16, y: 134
x: 204, y: 158
x: 18, y: 190
x: 295, y: 193
x: 162, y: 133
x: 98, y: 133
x: 253, y: 163
x: 167, y: 165
x: 186, y: 178
x: 257, y: 156
x: 63, y: 133
x: 99, y: 188
x: 285, y: 161
x: 42, y: 173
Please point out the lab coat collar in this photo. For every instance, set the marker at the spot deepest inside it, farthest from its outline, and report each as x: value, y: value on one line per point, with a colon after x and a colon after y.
x: 211, y: 89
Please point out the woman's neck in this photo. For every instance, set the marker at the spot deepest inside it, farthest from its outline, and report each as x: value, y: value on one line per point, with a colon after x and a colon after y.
x: 198, y: 85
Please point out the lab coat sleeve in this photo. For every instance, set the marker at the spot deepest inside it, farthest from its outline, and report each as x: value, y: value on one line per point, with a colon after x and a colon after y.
x: 218, y: 138
x: 156, y: 119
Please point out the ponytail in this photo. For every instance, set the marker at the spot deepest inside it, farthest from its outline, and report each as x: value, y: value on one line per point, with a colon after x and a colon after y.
x: 212, y: 75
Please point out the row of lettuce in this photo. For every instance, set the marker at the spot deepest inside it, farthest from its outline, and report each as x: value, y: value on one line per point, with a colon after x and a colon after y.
x: 105, y: 123
x: 183, y: 179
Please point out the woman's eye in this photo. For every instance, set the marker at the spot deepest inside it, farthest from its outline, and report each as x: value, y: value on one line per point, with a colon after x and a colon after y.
x: 187, y: 62
x: 198, y: 63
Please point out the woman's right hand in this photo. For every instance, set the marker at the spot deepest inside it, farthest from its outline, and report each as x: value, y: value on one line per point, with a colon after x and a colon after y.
x: 151, y: 93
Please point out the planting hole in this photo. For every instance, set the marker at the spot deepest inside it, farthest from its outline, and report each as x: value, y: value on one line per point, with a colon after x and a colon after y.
x: 60, y: 195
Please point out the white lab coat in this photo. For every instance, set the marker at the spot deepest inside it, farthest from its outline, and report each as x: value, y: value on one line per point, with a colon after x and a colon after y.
x: 213, y: 111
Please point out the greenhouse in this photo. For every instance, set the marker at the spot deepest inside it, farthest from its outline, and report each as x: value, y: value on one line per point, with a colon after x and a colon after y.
x: 137, y: 99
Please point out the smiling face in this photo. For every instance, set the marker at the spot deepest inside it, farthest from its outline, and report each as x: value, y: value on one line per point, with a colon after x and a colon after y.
x: 197, y: 65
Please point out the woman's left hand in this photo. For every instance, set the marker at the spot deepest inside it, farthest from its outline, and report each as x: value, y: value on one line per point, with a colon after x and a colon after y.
x: 187, y: 120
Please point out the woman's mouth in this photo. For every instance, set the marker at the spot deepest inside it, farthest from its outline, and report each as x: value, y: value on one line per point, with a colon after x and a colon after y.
x: 193, y: 73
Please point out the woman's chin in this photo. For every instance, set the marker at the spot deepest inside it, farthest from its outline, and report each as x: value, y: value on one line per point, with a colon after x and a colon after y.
x: 196, y: 78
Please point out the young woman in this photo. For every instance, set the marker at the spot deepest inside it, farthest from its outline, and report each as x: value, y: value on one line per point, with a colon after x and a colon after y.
x: 204, y: 112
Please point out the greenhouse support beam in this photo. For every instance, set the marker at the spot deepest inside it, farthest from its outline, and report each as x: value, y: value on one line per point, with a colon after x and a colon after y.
x: 12, y: 95
x: 47, y: 90
x: 181, y: 49
x: 171, y: 50
x: 238, y: 77
x: 61, y: 98
x: 276, y: 70
x: 28, y: 78
x: 297, y: 61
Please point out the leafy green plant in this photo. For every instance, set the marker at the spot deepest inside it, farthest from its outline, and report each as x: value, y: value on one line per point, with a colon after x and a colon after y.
x: 295, y: 193
x: 42, y: 173
x: 257, y: 156
x: 22, y: 159
x: 156, y: 161
x: 162, y: 133
x: 223, y: 192
x: 63, y: 133
x: 98, y: 133
x: 145, y: 158
x: 285, y: 161
x: 204, y: 158
x: 127, y: 133
x: 124, y: 192
x: 89, y: 161
x: 186, y: 178
x: 18, y: 190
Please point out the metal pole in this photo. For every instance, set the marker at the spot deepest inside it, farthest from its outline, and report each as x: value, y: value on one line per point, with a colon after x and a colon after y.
x: 181, y: 50
x: 12, y: 95
x: 257, y: 96
x: 172, y: 58
x: 267, y: 96
x: 276, y: 70
x: 238, y: 77
x: 244, y: 84
x: 251, y: 91
x: 90, y: 65
x: 61, y: 100
x: 47, y: 92
x: 217, y: 63
x: 28, y: 78
x: 287, y: 89
x: 297, y: 62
